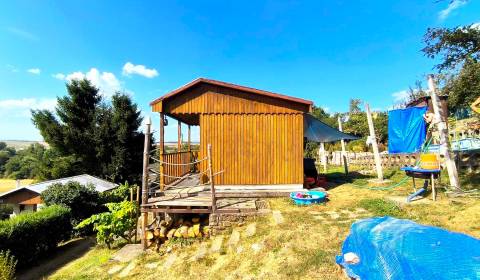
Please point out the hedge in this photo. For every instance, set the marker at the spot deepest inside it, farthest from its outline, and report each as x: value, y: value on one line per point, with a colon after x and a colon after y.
x: 32, y: 235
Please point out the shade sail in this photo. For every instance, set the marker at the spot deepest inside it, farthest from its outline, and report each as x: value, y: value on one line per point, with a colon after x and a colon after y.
x: 317, y: 131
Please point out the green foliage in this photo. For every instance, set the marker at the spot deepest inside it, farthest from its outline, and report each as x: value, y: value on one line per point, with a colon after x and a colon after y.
x: 354, y: 106
x: 455, y: 46
x: 32, y: 235
x: 97, y: 138
x: 120, y: 193
x: 382, y: 207
x: 358, y: 145
x: 5, y: 211
x: 83, y: 201
x: 119, y: 222
x: 464, y: 87
x: 357, y: 125
x: 7, y: 266
x: 5, y: 154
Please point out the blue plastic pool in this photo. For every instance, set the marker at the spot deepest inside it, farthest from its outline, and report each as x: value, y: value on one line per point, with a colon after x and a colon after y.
x: 317, y: 197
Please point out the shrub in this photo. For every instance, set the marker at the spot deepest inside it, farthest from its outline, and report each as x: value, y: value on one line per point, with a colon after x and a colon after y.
x: 83, y: 201
x: 118, y: 194
x: 5, y: 211
x: 7, y: 265
x: 119, y: 222
x: 30, y: 236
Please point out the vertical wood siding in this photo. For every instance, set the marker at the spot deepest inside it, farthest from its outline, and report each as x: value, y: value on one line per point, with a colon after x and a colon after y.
x: 254, y: 148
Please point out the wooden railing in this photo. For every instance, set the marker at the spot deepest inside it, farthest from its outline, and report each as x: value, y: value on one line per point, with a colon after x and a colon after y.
x: 176, y: 164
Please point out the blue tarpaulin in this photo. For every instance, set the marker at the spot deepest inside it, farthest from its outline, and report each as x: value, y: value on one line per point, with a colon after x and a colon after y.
x: 389, y: 248
x: 406, y: 130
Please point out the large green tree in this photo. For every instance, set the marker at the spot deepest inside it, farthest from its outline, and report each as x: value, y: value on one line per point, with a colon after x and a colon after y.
x: 103, y: 138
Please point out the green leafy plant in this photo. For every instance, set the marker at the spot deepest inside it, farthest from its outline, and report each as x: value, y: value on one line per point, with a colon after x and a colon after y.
x: 7, y: 265
x: 119, y: 222
x: 120, y: 193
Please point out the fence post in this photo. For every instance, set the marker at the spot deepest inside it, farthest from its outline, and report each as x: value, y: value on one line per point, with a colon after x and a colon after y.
x: 344, y: 154
x: 443, y: 131
x: 376, y: 154
x: 146, y: 157
x: 161, y: 151
x: 210, y: 172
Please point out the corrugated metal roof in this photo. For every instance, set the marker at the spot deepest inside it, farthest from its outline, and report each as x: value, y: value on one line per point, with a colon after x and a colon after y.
x: 85, y: 179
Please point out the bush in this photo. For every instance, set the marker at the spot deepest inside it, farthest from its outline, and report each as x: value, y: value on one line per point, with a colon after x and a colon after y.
x: 7, y: 266
x: 83, y: 201
x: 119, y: 194
x: 5, y: 211
x: 30, y: 236
x: 119, y: 222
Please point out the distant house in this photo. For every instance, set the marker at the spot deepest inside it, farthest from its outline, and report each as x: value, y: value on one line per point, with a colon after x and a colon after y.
x: 27, y: 198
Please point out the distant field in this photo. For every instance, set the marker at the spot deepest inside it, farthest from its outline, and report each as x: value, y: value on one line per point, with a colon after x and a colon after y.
x: 9, y: 184
x: 21, y: 144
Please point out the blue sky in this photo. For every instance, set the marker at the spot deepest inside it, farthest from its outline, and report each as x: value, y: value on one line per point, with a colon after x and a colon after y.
x: 324, y: 51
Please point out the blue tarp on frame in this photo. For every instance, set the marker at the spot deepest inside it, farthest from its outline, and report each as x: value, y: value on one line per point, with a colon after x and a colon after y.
x: 390, y: 248
x: 406, y: 130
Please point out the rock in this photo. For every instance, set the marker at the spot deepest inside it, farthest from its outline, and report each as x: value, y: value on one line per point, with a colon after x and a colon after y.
x: 217, y: 244
x: 256, y: 247
x: 128, y: 253
x: 201, y: 252
x: 126, y: 271
x: 170, y: 261
x: 251, y: 229
x: 152, y: 265
x: 277, y: 217
x: 234, y: 238
x: 115, y: 269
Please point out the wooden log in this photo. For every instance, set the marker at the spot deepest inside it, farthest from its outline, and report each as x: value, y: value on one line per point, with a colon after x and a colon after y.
x: 191, y: 232
x: 163, y: 232
x: 171, y: 233
x: 156, y: 232
x: 196, y: 230
x: 149, y: 234
x: 195, y: 220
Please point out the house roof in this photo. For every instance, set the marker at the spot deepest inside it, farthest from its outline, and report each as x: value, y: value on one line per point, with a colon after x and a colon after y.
x: 99, y: 184
x: 231, y: 86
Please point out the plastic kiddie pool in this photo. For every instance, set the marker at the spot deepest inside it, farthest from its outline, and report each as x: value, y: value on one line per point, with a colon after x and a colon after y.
x: 315, y: 197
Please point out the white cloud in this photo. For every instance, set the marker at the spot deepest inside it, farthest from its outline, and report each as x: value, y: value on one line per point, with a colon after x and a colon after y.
x: 59, y: 76
x: 22, y: 33
x: 452, y: 6
x: 105, y: 81
x: 12, y: 68
x: 400, y: 96
x: 34, y: 71
x: 129, y: 69
x: 21, y: 107
x: 475, y: 25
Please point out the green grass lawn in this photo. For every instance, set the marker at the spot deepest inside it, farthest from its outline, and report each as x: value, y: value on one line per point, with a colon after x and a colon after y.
x: 302, y: 247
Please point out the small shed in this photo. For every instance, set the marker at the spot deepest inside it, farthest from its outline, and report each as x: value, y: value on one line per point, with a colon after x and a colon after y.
x: 27, y: 198
x: 257, y: 136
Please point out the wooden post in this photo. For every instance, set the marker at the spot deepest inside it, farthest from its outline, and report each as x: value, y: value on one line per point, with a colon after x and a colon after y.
x: 344, y: 153
x: 189, y: 139
x: 179, y: 143
x: 161, y: 151
x: 443, y: 131
x: 373, y: 138
x: 323, y: 156
x: 146, y: 157
x: 210, y: 173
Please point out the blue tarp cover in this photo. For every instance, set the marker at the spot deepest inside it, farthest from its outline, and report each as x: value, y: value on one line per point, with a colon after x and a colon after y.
x: 390, y: 248
x: 406, y: 130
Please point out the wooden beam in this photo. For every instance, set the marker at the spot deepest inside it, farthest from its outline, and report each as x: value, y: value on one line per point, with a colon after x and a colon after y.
x: 146, y: 157
x: 344, y: 153
x: 161, y: 150
x: 210, y: 172
x: 373, y: 138
x: 179, y: 143
x: 443, y: 131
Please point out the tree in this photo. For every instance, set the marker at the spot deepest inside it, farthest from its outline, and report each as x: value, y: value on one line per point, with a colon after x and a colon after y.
x: 98, y: 138
x: 5, y: 154
x: 83, y: 201
x: 354, y: 106
x: 416, y: 92
x: 73, y: 132
x: 454, y: 45
x: 463, y: 88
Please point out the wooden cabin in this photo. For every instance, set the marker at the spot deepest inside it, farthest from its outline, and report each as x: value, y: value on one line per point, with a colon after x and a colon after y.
x: 257, y: 137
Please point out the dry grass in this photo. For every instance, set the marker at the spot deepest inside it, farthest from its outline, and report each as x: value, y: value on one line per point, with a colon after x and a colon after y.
x: 302, y: 247
x: 10, y: 184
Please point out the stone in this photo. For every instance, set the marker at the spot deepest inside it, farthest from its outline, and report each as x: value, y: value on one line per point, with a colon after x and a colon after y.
x: 234, y: 238
x: 128, y: 253
x: 251, y: 229
x: 201, y: 252
x: 334, y: 216
x: 256, y: 247
x: 217, y: 244
x: 277, y: 217
x: 126, y: 271
x: 152, y: 265
x: 170, y: 261
x: 115, y: 269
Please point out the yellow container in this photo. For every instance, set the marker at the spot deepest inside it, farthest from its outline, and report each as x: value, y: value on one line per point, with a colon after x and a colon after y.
x: 429, y: 161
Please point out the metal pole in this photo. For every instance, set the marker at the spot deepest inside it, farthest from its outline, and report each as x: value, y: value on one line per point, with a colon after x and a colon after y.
x: 344, y: 153
x: 161, y: 151
x: 443, y: 131
x: 210, y: 172
x: 146, y: 157
x: 373, y: 138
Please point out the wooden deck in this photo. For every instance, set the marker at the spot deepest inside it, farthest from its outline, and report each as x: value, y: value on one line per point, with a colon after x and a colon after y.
x: 189, y: 196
